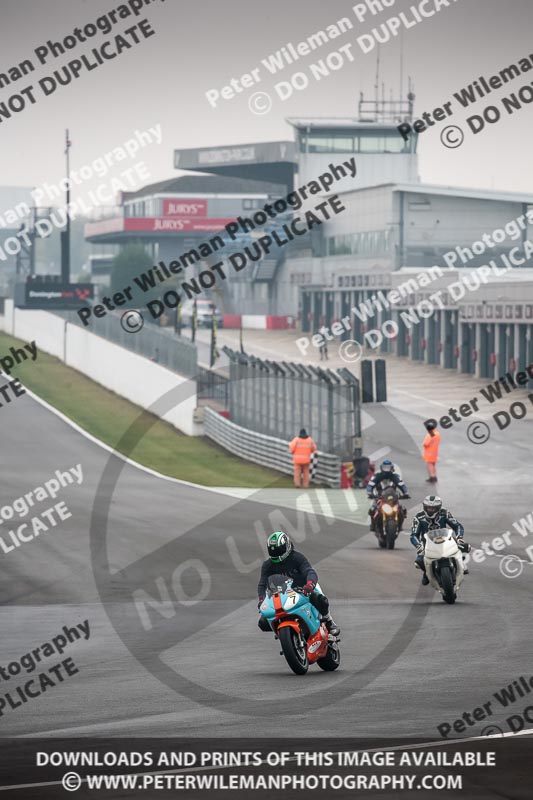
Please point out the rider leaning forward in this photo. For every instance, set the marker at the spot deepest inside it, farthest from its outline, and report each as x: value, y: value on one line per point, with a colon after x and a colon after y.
x: 433, y: 517
x: 285, y: 560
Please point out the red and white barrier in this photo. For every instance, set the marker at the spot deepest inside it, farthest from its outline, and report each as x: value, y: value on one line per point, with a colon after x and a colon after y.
x: 260, y: 322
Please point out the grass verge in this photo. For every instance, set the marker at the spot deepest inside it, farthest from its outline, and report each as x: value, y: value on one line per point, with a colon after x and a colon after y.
x: 107, y: 416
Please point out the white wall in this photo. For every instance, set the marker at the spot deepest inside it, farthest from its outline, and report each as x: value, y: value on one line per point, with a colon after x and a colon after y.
x: 129, y: 375
x: 47, y: 329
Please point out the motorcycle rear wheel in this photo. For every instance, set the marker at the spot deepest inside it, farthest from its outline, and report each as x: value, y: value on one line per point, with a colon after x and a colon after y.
x: 295, y: 657
x: 331, y: 660
x: 446, y: 581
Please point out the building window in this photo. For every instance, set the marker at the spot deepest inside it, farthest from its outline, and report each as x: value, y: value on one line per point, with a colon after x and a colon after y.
x: 342, y: 142
x: 364, y: 243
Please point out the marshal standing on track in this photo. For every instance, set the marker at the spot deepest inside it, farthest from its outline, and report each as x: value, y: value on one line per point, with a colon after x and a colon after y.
x: 302, y: 448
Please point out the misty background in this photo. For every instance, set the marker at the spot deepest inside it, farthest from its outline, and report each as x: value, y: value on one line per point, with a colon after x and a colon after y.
x: 201, y: 46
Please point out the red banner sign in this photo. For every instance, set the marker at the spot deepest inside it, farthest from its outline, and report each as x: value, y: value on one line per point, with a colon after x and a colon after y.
x: 181, y: 207
x: 156, y: 225
x: 166, y: 225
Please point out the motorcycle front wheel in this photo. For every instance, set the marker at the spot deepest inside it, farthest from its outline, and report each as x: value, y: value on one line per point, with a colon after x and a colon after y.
x: 446, y: 581
x: 391, y: 526
x: 295, y: 654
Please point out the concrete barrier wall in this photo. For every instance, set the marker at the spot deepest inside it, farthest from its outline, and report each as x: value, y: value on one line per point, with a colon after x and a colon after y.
x: 131, y: 376
x: 47, y: 329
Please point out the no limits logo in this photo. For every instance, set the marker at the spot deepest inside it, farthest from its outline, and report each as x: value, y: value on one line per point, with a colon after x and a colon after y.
x: 198, y: 587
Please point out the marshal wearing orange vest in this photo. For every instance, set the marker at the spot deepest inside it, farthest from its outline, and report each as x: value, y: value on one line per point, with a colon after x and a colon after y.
x: 431, y: 450
x: 302, y: 448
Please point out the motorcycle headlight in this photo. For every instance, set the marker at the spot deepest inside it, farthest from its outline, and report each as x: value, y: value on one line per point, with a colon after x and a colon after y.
x: 439, y: 539
x: 387, y: 508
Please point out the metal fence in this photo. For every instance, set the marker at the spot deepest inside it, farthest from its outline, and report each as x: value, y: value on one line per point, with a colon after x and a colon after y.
x: 211, y: 385
x: 269, y: 451
x: 159, y: 344
x: 278, y: 398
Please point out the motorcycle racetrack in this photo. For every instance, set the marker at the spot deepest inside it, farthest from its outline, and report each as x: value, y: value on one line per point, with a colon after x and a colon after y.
x: 167, y: 588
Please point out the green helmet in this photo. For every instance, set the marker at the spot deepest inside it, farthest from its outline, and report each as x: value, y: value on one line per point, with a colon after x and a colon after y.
x: 279, y: 546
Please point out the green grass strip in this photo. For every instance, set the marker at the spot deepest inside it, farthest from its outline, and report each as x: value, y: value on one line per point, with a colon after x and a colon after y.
x: 107, y: 416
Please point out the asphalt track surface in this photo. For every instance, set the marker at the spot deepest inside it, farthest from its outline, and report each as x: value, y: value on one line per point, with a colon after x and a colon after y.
x: 409, y: 662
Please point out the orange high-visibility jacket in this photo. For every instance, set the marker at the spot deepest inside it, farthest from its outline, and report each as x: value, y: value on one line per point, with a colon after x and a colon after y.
x: 431, y: 447
x: 302, y: 449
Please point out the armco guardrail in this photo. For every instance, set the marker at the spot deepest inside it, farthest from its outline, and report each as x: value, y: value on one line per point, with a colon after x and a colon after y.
x: 265, y: 450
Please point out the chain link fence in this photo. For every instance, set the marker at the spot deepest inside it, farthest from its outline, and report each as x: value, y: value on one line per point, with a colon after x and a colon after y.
x: 159, y: 344
x: 278, y: 398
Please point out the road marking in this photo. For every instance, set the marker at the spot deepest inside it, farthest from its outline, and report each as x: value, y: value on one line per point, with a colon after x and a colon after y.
x: 418, y: 397
x: 377, y: 454
x: 131, y: 462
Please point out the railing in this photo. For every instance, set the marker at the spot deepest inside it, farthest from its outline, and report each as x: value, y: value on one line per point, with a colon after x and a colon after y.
x: 277, y: 398
x: 266, y: 450
x: 212, y: 385
x: 158, y: 344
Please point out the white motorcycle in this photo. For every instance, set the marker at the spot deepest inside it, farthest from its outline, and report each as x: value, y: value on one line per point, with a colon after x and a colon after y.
x: 443, y: 560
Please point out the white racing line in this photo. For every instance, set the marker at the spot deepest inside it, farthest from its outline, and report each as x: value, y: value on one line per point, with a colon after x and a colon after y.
x: 421, y: 746
x: 418, y: 397
x: 95, y: 440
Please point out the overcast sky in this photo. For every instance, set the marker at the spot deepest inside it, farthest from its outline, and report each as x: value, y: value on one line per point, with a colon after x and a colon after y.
x: 201, y: 45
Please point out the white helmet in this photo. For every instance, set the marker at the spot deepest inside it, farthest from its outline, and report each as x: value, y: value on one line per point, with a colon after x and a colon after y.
x: 432, y: 505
